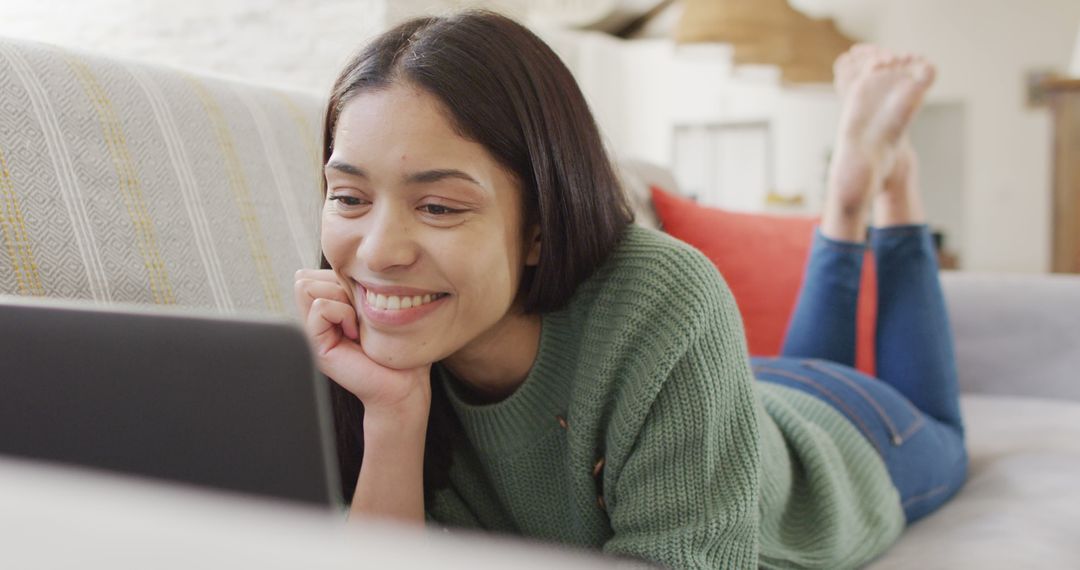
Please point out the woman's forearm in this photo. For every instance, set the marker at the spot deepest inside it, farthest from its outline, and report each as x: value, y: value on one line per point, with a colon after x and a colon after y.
x: 391, y: 480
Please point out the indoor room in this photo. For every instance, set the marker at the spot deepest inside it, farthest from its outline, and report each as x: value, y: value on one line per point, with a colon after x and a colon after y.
x: 586, y: 255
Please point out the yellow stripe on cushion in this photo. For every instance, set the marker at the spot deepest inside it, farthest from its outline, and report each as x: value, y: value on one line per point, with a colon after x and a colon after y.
x: 130, y: 186
x: 15, y: 240
x: 305, y: 131
x: 242, y: 195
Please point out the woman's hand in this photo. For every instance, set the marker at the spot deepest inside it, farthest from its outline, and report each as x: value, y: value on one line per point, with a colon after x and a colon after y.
x: 396, y: 402
x: 331, y: 324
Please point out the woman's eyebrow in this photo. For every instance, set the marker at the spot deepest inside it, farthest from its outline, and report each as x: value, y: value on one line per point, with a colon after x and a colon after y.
x: 422, y: 177
x: 429, y: 176
x: 347, y: 168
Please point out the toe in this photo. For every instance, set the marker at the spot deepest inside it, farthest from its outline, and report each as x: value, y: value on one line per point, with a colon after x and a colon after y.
x: 847, y: 67
x: 880, y: 62
x: 863, y: 55
x: 925, y: 73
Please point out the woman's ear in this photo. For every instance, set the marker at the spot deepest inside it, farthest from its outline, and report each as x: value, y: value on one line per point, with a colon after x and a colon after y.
x: 532, y: 256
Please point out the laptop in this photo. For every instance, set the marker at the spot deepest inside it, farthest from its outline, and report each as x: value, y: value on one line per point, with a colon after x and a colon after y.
x: 232, y: 403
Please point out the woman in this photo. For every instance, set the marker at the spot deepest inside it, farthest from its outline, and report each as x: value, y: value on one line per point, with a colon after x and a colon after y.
x: 510, y: 353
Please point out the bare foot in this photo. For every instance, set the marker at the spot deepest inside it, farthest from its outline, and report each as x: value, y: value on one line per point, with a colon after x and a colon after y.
x: 881, y: 92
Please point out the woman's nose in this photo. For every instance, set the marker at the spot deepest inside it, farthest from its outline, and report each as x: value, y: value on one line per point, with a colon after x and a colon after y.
x: 387, y: 242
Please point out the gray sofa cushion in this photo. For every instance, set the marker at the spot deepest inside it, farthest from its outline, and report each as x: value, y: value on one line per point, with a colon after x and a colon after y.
x: 1016, y: 334
x: 121, y: 182
x: 1020, y: 507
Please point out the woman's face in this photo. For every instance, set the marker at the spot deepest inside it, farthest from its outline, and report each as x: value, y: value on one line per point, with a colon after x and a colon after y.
x: 423, y: 225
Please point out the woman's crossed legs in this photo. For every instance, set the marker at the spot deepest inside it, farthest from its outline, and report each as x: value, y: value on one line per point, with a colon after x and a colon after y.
x: 911, y: 413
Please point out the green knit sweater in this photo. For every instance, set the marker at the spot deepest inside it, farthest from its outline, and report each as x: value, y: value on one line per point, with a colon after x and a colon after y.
x: 647, y: 370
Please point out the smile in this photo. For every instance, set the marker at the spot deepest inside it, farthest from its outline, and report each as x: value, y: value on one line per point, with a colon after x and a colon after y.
x: 396, y: 306
x: 397, y: 303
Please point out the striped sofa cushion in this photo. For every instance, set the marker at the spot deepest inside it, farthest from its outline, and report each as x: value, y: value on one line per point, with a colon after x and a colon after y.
x: 124, y: 182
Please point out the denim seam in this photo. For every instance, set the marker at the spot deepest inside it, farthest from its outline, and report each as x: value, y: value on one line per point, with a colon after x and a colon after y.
x: 869, y: 400
x: 894, y: 433
x: 916, y: 425
x: 927, y: 495
x: 851, y: 415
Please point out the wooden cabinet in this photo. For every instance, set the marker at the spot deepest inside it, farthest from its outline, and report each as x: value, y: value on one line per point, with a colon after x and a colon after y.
x: 1064, y: 97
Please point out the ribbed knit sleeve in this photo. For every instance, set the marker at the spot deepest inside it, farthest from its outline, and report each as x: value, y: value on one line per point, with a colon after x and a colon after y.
x: 687, y: 494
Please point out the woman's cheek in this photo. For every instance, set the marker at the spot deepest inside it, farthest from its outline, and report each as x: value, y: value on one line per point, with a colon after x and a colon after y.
x: 333, y: 240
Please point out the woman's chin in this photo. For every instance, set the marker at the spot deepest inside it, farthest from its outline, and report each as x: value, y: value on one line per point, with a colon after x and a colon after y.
x: 394, y: 353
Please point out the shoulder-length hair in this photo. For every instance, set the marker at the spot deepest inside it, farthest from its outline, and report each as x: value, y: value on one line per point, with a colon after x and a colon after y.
x: 505, y: 89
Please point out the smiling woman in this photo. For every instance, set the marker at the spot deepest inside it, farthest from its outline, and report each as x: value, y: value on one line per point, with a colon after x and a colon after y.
x: 415, y: 210
x: 509, y: 353
x: 457, y: 209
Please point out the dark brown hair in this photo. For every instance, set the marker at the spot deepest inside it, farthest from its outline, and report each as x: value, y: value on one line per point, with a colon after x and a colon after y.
x: 504, y: 88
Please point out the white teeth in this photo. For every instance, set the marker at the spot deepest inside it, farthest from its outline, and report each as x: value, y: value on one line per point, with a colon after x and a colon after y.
x: 394, y: 303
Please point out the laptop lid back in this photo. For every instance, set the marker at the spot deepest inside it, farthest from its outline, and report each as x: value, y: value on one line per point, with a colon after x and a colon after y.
x: 232, y: 403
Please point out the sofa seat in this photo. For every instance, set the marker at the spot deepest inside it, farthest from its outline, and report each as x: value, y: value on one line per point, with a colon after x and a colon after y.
x: 1019, y: 507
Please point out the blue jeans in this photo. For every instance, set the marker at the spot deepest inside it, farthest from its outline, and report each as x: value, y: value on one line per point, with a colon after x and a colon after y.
x: 911, y: 413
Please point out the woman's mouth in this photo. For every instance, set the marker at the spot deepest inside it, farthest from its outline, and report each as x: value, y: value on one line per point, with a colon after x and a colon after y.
x: 399, y: 302
x: 396, y: 308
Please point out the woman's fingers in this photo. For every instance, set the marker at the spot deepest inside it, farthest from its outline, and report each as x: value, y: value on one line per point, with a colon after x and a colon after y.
x: 332, y: 328
x: 327, y: 320
x: 339, y: 358
x: 307, y: 290
x: 318, y: 274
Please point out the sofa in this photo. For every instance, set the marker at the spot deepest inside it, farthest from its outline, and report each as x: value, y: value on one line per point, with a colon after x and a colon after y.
x: 122, y: 182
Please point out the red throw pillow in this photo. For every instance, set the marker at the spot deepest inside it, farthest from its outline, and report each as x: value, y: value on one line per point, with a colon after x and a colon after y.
x: 762, y: 258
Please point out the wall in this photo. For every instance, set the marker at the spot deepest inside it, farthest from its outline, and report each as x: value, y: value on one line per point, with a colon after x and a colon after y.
x: 938, y: 135
x: 295, y: 43
x: 983, y: 48
x: 283, y: 42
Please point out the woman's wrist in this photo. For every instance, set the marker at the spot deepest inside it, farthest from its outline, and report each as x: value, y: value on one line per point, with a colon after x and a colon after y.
x: 400, y: 420
x: 390, y: 483
x: 409, y: 405
x: 411, y: 410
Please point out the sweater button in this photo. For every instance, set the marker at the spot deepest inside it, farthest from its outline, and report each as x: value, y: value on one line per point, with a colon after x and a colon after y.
x: 600, y: 502
x: 598, y: 467
x: 562, y: 422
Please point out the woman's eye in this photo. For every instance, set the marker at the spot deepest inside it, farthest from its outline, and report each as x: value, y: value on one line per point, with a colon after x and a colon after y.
x: 347, y: 200
x: 437, y: 210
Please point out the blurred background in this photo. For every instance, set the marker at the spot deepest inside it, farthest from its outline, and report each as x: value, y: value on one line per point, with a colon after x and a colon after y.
x: 733, y: 96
